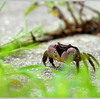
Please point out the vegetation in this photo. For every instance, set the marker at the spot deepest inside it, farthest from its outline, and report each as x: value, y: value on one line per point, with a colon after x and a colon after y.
x: 3, y: 4
x: 64, y: 83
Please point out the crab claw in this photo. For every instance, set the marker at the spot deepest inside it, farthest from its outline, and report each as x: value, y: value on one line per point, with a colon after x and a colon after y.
x: 68, y: 54
x: 52, y: 52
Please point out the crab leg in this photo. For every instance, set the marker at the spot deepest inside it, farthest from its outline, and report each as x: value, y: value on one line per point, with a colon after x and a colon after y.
x: 90, y: 61
x: 92, y: 64
x: 84, y: 61
x: 51, y: 61
x: 93, y: 59
x: 44, y: 59
x: 77, y: 57
x: 77, y: 65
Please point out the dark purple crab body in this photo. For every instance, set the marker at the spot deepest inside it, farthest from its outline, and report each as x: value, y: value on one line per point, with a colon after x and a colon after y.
x: 62, y: 52
x: 61, y: 57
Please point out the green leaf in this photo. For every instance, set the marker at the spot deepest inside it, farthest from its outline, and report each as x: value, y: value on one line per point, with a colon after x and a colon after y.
x: 54, y: 12
x: 50, y: 3
x: 30, y: 9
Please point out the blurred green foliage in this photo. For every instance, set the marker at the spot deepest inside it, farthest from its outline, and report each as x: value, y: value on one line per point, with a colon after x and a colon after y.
x: 64, y: 84
x: 50, y: 4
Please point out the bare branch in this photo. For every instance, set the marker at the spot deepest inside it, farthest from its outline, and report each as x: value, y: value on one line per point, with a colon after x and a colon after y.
x: 88, y: 7
x: 72, y: 14
x: 61, y: 16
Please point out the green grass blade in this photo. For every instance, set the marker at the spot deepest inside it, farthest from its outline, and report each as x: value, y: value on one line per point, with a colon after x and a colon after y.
x: 15, y: 37
x: 37, y: 29
x: 30, y: 67
x: 31, y: 8
x: 26, y: 25
x: 2, y: 6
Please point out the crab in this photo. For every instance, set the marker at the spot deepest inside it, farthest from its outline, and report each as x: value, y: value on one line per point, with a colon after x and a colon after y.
x: 61, y: 53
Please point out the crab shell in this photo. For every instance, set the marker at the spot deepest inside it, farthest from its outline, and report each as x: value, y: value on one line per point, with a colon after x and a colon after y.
x: 52, y: 52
